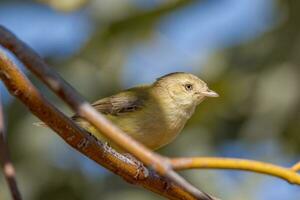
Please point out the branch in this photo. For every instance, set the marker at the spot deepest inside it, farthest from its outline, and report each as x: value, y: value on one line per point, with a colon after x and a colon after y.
x: 296, y: 167
x: 79, y: 139
x: 37, y: 65
x: 5, y: 161
x: 288, y: 174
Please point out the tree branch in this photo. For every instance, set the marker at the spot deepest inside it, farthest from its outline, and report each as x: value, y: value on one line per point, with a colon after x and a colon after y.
x: 133, y: 172
x: 296, y: 167
x: 37, y: 65
x: 5, y: 161
x: 288, y: 174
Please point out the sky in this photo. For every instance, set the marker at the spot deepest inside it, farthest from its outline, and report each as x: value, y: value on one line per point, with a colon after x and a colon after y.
x: 195, y: 32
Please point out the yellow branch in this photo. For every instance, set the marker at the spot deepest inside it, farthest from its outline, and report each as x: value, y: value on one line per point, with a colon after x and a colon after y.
x: 288, y: 174
x: 296, y: 167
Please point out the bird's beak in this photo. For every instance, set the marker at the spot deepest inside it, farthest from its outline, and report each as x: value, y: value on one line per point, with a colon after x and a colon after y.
x: 210, y: 93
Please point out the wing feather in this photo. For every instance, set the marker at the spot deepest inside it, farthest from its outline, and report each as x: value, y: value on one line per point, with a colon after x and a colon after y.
x: 128, y: 101
x: 119, y: 104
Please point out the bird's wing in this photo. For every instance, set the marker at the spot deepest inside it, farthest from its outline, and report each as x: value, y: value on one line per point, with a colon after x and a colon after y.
x: 124, y: 102
x: 118, y: 104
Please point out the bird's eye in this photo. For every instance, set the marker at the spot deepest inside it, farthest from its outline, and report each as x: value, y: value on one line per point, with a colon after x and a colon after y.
x: 188, y: 87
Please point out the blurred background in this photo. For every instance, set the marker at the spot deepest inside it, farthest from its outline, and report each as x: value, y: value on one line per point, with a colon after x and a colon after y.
x: 247, y: 50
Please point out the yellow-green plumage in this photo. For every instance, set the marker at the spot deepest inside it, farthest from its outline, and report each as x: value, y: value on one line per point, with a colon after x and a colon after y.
x: 152, y: 114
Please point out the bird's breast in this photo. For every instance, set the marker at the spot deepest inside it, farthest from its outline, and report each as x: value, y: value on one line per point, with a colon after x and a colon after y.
x: 161, y: 126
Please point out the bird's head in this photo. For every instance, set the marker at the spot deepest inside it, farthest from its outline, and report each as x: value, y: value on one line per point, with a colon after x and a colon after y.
x: 185, y: 89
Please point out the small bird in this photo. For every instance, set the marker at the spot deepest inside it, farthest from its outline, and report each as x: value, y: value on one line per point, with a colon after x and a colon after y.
x: 152, y: 114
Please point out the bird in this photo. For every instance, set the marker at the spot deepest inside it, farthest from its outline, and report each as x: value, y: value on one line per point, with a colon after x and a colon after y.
x: 153, y: 114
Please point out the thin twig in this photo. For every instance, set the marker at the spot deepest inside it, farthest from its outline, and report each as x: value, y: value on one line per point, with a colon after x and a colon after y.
x: 133, y: 172
x: 237, y: 164
x: 5, y: 161
x: 37, y: 65
x: 296, y: 167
